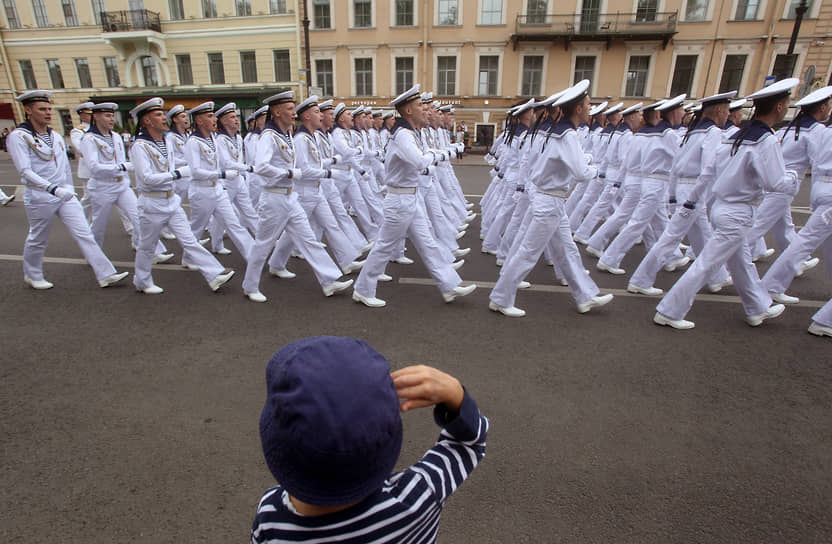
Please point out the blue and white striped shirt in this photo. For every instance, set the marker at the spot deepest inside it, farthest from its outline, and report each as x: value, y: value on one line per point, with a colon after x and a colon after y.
x: 407, y: 507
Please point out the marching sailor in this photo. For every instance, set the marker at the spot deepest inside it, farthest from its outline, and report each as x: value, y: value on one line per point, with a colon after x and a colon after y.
x: 175, y: 140
x: 250, y: 142
x: 231, y: 155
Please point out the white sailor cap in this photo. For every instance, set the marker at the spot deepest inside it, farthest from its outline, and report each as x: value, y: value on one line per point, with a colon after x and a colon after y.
x: 205, y: 107
x: 388, y: 114
x: 599, y: 108
x: 632, y: 109
x: 614, y: 109
x: 523, y: 107
x: 575, y: 92
x: 377, y: 113
x: 228, y: 108
x: 717, y: 98
x: 437, y: 104
x: 105, y: 107
x: 174, y: 111
x: 280, y: 98
x: 152, y: 104
x: 689, y: 106
x: 83, y: 106
x: 312, y: 100
x: 815, y: 97
x: 672, y: 103
x: 250, y: 118
x: 357, y: 111
x: 783, y: 87
x: 410, y: 94
x: 326, y: 105
x: 653, y: 106
x: 36, y: 95
x: 452, y: 110
x: 737, y: 104
x: 446, y: 108
x: 339, y: 109
x: 697, y: 108
x: 552, y: 98
x: 262, y: 110
x: 427, y: 97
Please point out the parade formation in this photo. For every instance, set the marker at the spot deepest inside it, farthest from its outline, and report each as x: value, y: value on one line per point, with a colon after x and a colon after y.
x: 692, y: 181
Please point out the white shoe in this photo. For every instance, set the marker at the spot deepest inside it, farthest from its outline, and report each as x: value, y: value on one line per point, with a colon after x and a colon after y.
x: 764, y: 256
x: 461, y: 252
x: 717, y: 287
x: 580, y: 240
x: 8, y: 200
x: 681, y: 324
x: 368, y: 247
x: 805, y: 266
x: 594, y: 302
x: 564, y: 282
x: 256, y: 296
x: 488, y: 251
x: 819, y: 330
x: 336, y: 287
x: 297, y: 255
x: 611, y: 269
x: 220, y: 280
x: 223, y: 251
x: 403, y: 260
x: 772, y: 311
x: 500, y: 262
x: 456, y: 265
x: 152, y: 290
x: 510, y: 311
x: 204, y: 241
x: 783, y: 298
x: 462, y: 228
x: 38, y: 284
x: 371, y: 302
x: 552, y: 263
x: 469, y: 205
x: 677, y: 264
x: 459, y: 235
x: 353, y: 266
x: 190, y: 266
x: 282, y: 273
x: 168, y: 235
x: 649, y: 291
x: 112, y: 279
x: 162, y: 258
x: 458, y: 291
x: 384, y: 277
x: 482, y: 236
x: 594, y: 252
x: 470, y: 217
x: 524, y: 285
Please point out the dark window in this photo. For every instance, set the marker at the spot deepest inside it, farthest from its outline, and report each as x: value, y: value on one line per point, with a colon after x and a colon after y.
x: 323, y: 71
x: 111, y: 70
x: 216, y: 69
x: 536, y: 12
x: 70, y: 17
x: 492, y: 12
x: 747, y: 10
x: 696, y: 10
x: 39, y: 8
x: 248, y: 66
x: 446, y: 76
x: 363, y: 16
x: 151, y: 79
x: 404, y: 74
x: 28, y: 72
x: 66, y: 121
x: 183, y: 68
x: 646, y: 11
x: 322, y: 15
x: 364, y: 77
x: 404, y: 12
x: 209, y: 8
x: 177, y: 10
x: 793, y: 6
x: 55, y: 75
x: 448, y: 12
x: 277, y: 6
x: 532, y: 75
x: 97, y: 8
x: 732, y: 73
x: 683, y: 75
x: 84, y: 77
x: 637, y: 75
x: 243, y: 7
x: 11, y: 14
x: 282, y: 65
x: 584, y: 69
x: 487, y: 84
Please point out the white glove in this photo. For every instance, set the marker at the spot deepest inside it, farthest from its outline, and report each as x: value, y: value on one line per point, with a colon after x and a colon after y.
x: 184, y: 172
x: 827, y: 216
x: 128, y: 166
x: 230, y: 174
x: 64, y: 193
x: 791, y: 179
x: 429, y: 171
x: 452, y: 153
x: 295, y: 173
x: 588, y: 158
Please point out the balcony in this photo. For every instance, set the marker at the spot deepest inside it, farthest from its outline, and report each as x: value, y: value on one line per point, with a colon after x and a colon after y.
x: 130, y: 20
x: 594, y: 26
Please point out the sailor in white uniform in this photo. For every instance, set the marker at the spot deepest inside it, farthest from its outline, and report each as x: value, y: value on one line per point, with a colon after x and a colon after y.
x: 250, y: 142
x: 175, y: 139
x: 232, y: 157
x: 85, y: 116
x: 39, y: 155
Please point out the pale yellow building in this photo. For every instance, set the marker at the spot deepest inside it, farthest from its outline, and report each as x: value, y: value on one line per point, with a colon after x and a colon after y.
x: 486, y: 55
x: 187, y: 51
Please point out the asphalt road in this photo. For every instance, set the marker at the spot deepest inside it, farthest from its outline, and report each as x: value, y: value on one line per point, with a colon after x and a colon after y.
x: 126, y: 417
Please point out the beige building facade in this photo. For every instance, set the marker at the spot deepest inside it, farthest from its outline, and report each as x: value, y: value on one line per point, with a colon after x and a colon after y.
x: 187, y: 51
x: 486, y: 55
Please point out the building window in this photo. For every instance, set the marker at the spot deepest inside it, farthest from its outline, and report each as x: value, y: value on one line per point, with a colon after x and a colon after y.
x: 696, y: 10
x: 277, y: 7
x: 404, y: 12
x: 363, y: 14
x: 183, y: 68
x: 97, y: 8
x: 487, y: 83
x: 70, y: 17
x: 216, y: 69
x: 683, y: 75
x: 532, y: 75
x: 646, y: 11
x: 364, y: 77
x: 637, y: 75
x: 209, y: 9
x: 282, y: 66
x: 39, y: 7
x: 84, y: 77
x: 792, y: 13
x: 55, y: 75
x: 151, y: 79
x: 448, y: 12
x: 747, y: 10
x: 248, y: 66
x: 323, y: 71
x: 111, y: 71
x: 28, y: 73
x: 66, y: 121
x: 243, y: 7
x: 446, y: 76
x: 322, y: 17
x: 11, y: 14
x: 177, y: 10
x: 584, y: 69
x: 536, y: 12
x: 732, y: 73
x: 404, y: 74
x: 492, y: 12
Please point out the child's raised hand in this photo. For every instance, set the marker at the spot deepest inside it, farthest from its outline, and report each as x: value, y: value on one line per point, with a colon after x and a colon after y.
x: 422, y: 385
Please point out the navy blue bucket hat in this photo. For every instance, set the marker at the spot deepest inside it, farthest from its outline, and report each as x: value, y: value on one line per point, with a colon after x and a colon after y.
x: 330, y: 429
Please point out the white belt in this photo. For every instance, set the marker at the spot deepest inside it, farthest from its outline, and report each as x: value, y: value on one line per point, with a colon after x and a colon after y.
x: 689, y: 181
x: 312, y: 184
x: 204, y: 183
x: 613, y: 165
x: 401, y: 190
x: 555, y: 193
x: 279, y: 190
x: 659, y: 177
x: 822, y: 179
x: 158, y: 194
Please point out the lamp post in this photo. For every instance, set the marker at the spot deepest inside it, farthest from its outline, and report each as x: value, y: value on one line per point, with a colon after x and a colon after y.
x: 306, y: 46
x: 784, y: 64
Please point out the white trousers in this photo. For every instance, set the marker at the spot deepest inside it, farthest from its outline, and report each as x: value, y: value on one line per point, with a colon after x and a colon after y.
x: 444, y: 229
x: 353, y: 197
x: 600, y: 209
x: 126, y: 203
x: 339, y: 211
x: 213, y: 201
x: 629, y: 200
x: 500, y: 219
x: 589, y: 197
x: 824, y: 315
x: 773, y: 214
x: 521, y: 209
x: 575, y: 196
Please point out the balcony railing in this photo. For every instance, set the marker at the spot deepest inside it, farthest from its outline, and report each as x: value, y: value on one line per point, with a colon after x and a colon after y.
x: 592, y: 25
x: 130, y: 20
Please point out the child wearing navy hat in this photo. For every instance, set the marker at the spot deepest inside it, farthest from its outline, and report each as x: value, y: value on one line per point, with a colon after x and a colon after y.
x: 332, y: 433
